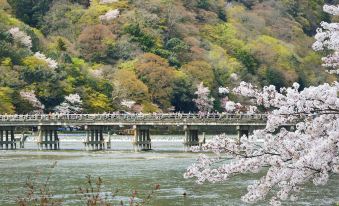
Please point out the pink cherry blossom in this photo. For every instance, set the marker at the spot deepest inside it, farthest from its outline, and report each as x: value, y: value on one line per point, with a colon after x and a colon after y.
x: 203, y: 101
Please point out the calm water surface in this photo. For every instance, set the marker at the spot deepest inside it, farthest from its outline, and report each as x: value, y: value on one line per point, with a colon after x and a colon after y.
x: 126, y: 170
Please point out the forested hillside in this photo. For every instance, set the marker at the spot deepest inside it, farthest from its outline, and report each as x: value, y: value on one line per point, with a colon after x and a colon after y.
x: 152, y: 52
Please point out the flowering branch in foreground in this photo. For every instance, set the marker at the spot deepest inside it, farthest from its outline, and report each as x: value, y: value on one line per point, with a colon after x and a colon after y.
x: 292, y: 158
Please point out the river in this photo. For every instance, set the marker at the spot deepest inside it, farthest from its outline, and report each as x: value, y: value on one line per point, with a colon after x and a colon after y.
x: 123, y: 169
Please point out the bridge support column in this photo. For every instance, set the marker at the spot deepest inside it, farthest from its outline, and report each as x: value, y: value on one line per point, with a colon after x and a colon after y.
x: 48, y: 138
x: 94, y: 138
x: 108, y: 141
x: 243, y: 130
x: 142, y: 138
x: 191, y: 137
x: 7, y: 140
x: 22, y: 140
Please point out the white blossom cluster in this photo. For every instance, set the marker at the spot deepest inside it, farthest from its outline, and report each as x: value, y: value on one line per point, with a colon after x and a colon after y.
x: 21, y: 37
x: 203, y: 101
x: 50, y: 62
x: 234, y: 77
x: 232, y: 107
x: 293, y: 158
x: 110, y: 15
x: 71, y: 105
x: 327, y: 38
x: 33, y: 100
x: 223, y: 90
x: 127, y: 103
x: 108, y: 1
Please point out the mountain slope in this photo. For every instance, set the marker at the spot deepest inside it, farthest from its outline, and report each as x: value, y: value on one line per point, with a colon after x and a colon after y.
x: 152, y: 52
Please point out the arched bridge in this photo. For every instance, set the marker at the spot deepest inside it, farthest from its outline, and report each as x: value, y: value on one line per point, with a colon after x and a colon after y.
x: 96, y: 124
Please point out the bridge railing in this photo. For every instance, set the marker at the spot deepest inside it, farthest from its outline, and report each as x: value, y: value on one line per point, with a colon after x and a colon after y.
x: 132, y: 117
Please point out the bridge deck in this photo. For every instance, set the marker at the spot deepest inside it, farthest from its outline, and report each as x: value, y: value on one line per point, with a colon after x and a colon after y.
x: 171, y: 119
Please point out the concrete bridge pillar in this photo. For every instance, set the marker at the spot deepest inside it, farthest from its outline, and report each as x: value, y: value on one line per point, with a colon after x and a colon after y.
x: 22, y: 140
x: 243, y: 130
x: 108, y: 141
x: 48, y: 138
x: 191, y: 136
x: 94, y: 138
x: 142, y: 138
x: 7, y: 140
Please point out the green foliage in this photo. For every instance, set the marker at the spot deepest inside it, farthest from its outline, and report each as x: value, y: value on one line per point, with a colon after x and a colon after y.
x: 183, y: 94
x: 6, y: 105
x: 275, y: 77
x: 96, y: 102
x: 199, y: 71
x: 225, y: 35
x: 247, y: 59
x: 30, y: 12
x: 146, y: 41
x: 123, y: 50
x: 203, y: 4
x: 224, y: 65
x: 128, y: 86
x: 308, y: 13
x: 62, y: 19
x: 178, y: 51
x: 34, y: 63
x: 148, y: 107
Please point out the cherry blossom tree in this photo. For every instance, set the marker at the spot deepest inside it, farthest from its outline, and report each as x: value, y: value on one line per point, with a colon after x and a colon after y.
x: 33, y: 100
x: 327, y: 38
x: 289, y: 158
x: 21, y: 37
x: 203, y: 101
x: 110, y: 15
x: 232, y: 107
x: 293, y: 158
x: 71, y: 105
x: 127, y: 103
x: 50, y: 62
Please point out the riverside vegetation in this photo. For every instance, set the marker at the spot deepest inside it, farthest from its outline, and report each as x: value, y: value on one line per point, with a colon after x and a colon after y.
x: 38, y: 191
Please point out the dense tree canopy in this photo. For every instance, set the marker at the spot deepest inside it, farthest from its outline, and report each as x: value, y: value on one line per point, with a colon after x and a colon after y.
x: 152, y: 52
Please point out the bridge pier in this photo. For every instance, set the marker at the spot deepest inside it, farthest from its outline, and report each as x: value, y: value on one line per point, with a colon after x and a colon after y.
x: 22, y: 140
x: 48, y: 138
x: 142, y: 138
x: 191, y: 137
x: 108, y: 141
x: 94, y: 138
x: 7, y: 140
x: 243, y: 130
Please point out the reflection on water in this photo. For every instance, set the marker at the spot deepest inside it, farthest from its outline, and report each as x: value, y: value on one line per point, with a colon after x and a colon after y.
x: 126, y: 170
